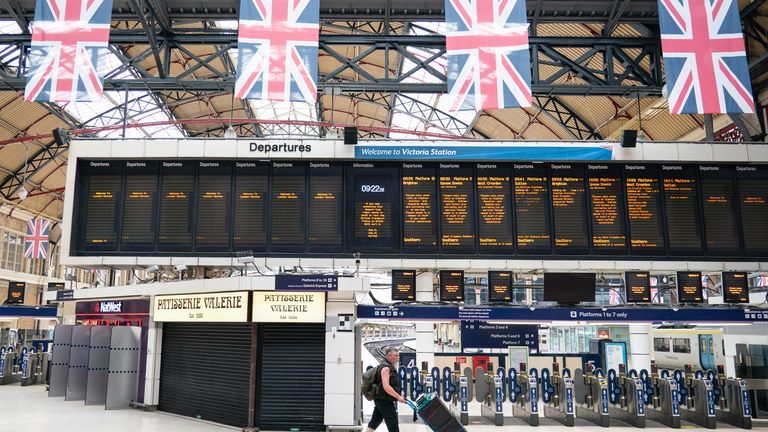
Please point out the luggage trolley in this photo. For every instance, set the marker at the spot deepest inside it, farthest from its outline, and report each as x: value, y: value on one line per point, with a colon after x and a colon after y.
x: 435, y: 414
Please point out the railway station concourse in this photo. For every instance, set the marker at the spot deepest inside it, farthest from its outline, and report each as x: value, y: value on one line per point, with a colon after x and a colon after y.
x: 221, y: 215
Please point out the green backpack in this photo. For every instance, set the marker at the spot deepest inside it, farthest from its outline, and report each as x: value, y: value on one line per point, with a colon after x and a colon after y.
x: 370, y: 385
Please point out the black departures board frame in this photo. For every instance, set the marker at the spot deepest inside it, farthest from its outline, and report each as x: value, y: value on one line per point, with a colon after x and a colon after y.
x: 735, y: 287
x: 452, y: 285
x: 637, y: 287
x: 500, y: 286
x: 403, y: 285
x: 338, y: 208
x: 689, y: 287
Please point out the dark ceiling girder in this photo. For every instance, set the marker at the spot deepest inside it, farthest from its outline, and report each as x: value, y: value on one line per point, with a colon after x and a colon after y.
x: 638, y: 11
x: 600, y: 80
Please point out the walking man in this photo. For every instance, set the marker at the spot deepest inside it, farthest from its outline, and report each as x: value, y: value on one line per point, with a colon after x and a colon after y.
x: 388, y: 395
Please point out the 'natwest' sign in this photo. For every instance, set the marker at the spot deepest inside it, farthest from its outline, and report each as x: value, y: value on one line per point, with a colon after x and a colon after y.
x: 110, y: 307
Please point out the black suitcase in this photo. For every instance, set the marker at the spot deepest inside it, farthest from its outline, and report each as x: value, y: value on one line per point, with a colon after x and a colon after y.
x: 435, y: 414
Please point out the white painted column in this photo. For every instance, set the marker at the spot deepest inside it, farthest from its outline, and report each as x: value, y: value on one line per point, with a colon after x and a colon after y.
x: 154, y: 354
x: 342, y: 378
x: 639, y: 347
x: 425, y: 332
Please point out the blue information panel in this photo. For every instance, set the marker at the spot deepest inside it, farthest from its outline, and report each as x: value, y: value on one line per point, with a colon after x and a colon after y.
x: 479, y: 334
x: 644, y: 315
x: 306, y: 283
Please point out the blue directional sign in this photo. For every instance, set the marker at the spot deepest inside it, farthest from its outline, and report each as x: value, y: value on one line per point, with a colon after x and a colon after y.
x: 478, y: 334
x: 306, y: 282
x: 619, y: 315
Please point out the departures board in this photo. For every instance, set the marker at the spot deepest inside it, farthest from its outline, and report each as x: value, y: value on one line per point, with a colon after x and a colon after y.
x: 421, y: 209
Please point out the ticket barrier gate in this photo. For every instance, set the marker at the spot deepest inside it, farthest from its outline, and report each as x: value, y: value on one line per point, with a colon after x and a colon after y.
x: 733, y: 406
x: 463, y: 393
x: 557, y: 393
x: 626, y: 396
x: 34, y: 368
x: 591, y: 389
x: 698, y: 400
x: 8, y: 368
x: 527, y: 406
x: 665, y: 406
x: 489, y: 391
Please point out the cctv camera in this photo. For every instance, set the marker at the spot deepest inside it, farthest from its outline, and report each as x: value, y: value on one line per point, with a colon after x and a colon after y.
x: 180, y: 267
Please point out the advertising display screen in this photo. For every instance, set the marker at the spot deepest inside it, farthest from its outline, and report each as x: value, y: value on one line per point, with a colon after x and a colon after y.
x: 569, y: 288
x: 598, y: 210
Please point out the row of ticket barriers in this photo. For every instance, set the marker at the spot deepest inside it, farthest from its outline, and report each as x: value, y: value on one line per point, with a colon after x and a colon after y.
x: 27, y: 366
x: 664, y: 396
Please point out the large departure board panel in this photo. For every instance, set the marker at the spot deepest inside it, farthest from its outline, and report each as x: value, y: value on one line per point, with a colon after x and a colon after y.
x: 571, y: 225
x: 326, y: 206
x: 718, y: 202
x: 457, y: 208
x: 214, y: 188
x: 681, y: 205
x: 752, y: 183
x: 643, y: 209
x: 289, y: 205
x: 177, y: 190
x: 493, y: 210
x: 99, y: 228
x: 532, y: 208
x: 139, y: 206
x: 251, y: 208
x: 419, y: 207
x: 605, y: 184
x: 374, y: 205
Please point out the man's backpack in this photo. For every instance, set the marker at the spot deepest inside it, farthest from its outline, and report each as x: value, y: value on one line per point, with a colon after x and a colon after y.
x: 370, y: 383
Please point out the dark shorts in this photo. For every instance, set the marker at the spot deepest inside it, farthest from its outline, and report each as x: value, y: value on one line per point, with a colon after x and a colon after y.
x: 386, y: 411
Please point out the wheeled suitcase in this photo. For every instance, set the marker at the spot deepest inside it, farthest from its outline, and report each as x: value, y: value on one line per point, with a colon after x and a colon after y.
x: 435, y: 414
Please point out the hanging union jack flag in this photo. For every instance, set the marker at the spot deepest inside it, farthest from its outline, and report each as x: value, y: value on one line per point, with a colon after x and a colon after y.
x: 489, y: 65
x: 36, y: 242
x: 704, y: 58
x: 277, y: 50
x: 67, y: 59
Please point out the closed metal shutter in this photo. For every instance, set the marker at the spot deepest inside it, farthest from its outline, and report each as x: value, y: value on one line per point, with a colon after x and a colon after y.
x: 291, y: 385
x: 205, y: 371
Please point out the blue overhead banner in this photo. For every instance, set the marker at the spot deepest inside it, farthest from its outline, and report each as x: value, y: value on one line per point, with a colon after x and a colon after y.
x: 499, y: 152
x: 306, y: 283
x: 588, y: 315
x: 28, y: 311
x: 479, y: 334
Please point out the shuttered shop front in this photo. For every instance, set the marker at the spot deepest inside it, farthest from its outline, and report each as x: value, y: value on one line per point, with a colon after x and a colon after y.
x: 205, y: 371
x: 291, y: 377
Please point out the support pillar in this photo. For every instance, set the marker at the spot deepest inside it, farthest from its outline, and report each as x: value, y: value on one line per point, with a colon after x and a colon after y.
x: 639, y: 347
x: 425, y: 332
x: 154, y: 354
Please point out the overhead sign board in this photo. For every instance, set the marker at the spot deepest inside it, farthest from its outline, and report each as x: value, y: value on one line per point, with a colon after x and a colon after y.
x: 64, y: 295
x: 482, y: 152
x: 288, y: 307
x: 208, y: 307
x: 306, y: 282
x: 55, y: 286
x: 735, y: 287
x: 480, y: 334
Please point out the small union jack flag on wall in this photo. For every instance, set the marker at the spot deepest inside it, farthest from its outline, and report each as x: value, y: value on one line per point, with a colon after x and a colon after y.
x: 704, y: 58
x: 277, y: 50
x: 68, y: 56
x: 489, y: 63
x: 36, y: 242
